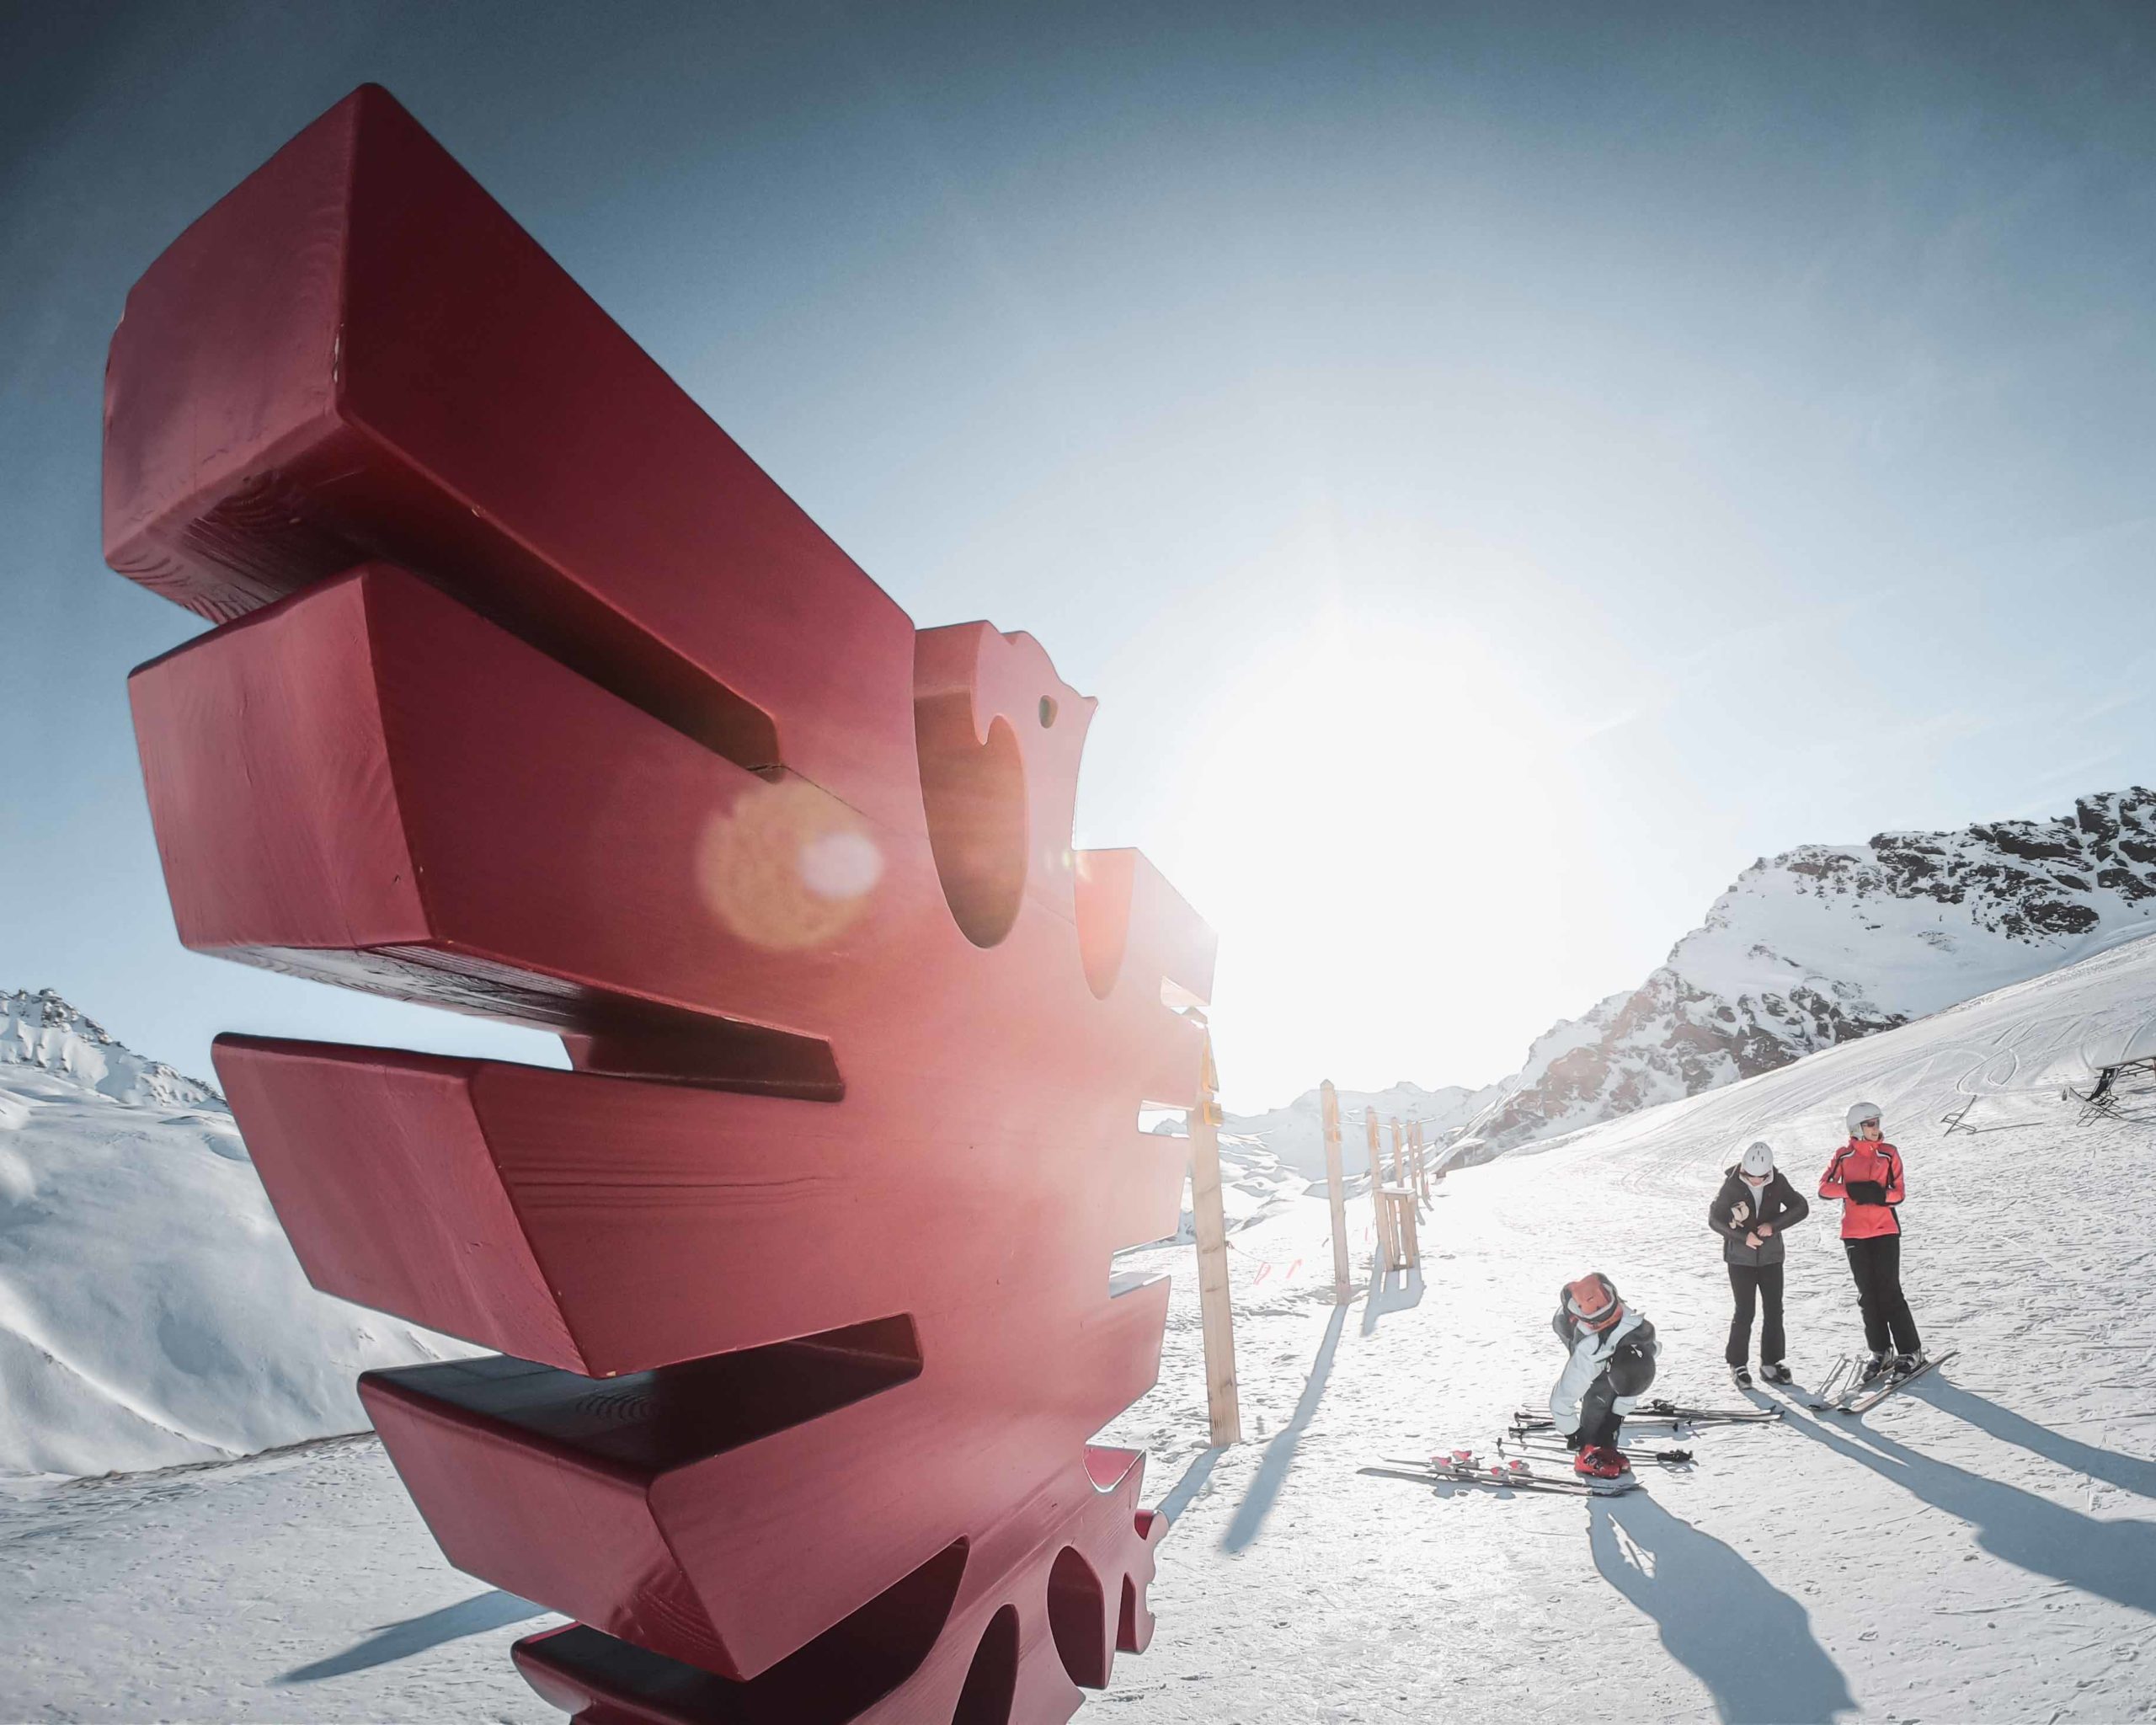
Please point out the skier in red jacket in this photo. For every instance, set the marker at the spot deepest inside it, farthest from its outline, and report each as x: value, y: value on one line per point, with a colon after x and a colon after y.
x: 1866, y: 1175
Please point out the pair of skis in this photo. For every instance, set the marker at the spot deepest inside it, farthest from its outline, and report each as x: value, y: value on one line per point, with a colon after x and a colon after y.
x: 1549, y: 1445
x: 1461, y: 1467
x: 1669, y: 1413
x: 1844, y: 1392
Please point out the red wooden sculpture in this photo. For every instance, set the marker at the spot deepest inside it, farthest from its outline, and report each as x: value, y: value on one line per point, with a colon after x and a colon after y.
x: 533, y: 696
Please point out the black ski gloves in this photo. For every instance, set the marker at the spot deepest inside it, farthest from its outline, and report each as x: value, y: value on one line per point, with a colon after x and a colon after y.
x: 1866, y: 1191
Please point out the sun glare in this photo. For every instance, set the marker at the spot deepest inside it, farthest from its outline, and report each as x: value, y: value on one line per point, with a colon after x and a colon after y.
x: 1377, y: 806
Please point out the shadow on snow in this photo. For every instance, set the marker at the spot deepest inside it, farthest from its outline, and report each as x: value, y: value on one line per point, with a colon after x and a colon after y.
x: 1193, y: 1482
x: 393, y: 1642
x: 2114, y: 1560
x: 2127, y: 1472
x: 1386, y: 1296
x: 1740, y: 1635
x: 1280, y: 1452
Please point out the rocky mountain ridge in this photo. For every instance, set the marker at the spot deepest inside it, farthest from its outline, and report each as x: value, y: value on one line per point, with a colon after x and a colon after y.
x: 1827, y: 943
x: 41, y: 1029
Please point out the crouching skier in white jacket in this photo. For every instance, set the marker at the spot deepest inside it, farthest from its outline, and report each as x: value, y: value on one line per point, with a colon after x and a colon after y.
x: 1612, y: 1364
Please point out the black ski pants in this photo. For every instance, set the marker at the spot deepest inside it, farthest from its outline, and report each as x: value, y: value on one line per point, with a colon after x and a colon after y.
x: 1600, y: 1423
x: 1876, y: 1264
x: 1752, y: 1284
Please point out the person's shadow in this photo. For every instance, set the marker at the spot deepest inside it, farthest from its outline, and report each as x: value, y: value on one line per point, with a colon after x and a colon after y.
x: 2128, y: 1472
x: 2114, y: 1560
x: 1748, y: 1640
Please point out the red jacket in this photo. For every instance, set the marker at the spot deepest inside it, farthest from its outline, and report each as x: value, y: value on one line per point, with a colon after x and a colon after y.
x: 1854, y: 1163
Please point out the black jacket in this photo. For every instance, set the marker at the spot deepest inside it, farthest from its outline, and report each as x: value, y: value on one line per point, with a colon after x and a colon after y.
x: 1780, y: 1203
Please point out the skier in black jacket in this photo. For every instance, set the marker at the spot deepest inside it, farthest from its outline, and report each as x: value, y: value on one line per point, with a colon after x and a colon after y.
x: 1750, y: 1212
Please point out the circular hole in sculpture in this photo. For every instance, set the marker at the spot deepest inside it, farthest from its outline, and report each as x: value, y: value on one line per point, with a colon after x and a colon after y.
x: 1048, y: 711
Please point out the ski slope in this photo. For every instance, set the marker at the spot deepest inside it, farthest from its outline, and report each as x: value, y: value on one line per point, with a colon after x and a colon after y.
x: 1983, y: 1547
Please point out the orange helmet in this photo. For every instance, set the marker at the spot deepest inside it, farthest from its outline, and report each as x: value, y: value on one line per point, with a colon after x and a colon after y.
x: 1593, y: 1300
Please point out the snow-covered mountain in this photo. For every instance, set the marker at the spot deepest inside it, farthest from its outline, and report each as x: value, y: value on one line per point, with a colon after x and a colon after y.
x: 1825, y: 943
x: 42, y: 1030
x: 1295, y: 1134
x: 151, y: 1309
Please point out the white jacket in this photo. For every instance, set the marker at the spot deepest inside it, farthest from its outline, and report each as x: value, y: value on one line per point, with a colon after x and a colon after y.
x: 1590, y: 1354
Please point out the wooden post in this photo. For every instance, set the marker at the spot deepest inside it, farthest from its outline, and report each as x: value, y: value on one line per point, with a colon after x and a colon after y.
x: 1419, y: 1158
x: 1215, y: 1311
x: 1381, y: 1221
x: 1334, y: 1178
x: 1399, y: 1161
x: 1410, y: 1248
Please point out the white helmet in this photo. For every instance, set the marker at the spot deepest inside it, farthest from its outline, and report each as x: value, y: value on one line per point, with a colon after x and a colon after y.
x: 1758, y: 1159
x: 1860, y: 1112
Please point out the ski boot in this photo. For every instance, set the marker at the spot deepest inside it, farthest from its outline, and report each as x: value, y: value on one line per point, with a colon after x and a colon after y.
x: 1777, y: 1373
x: 1871, y: 1368
x: 1905, y: 1363
x: 1741, y: 1376
x: 1601, y: 1466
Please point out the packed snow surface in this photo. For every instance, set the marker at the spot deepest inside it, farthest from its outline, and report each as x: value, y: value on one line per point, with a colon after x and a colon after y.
x: 151, y: 1311
x: 1981, y: 1547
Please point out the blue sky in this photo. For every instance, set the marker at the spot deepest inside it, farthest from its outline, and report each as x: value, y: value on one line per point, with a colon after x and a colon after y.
x: 1502, y: 469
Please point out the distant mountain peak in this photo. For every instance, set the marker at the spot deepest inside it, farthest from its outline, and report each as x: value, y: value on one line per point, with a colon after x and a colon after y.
x: 1295, y: 1133
x: 1825, y: 943
x: 42, y: 1030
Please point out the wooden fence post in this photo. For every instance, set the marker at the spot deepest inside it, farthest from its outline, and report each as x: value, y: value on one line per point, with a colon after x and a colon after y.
x: 1399, y: 1156
x: 1381, y: 1219
x: 1335, y: 1179
x: 1215, y: 1312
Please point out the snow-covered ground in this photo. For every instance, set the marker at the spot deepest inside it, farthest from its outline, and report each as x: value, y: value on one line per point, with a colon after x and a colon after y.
x: 1983, y: 1547
x: 151, y: 1312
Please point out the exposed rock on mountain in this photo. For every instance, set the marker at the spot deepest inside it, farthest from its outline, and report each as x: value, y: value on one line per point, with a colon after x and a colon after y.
x: 1825, y: 943
x: 42, y: 1030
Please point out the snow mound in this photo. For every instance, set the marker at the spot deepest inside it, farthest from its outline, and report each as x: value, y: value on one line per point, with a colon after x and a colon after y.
x: 151, y: 1312
x: 1829, y: 943
x: 42, y: 1030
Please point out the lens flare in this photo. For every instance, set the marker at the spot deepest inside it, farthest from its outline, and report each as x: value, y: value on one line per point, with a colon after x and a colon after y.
x: 788, y: 867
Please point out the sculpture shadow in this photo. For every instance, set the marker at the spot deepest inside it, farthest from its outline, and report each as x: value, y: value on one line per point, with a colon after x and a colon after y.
x: 1280, y: 1453
x: 2113, y: 1560
x: 1749, y: 1642
x: 1390, y: 1291
x: 2130, y: 1473
x: 476, y: 1615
